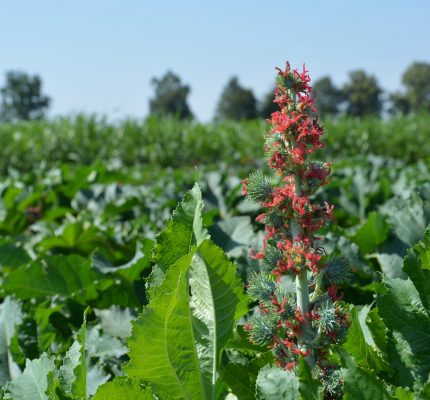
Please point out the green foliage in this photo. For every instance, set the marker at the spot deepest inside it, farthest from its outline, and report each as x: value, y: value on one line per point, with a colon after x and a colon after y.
x: 169, y: 143
x: 360, y: 344
x: 69, y: 276
x: 362, y: 94
x: 73, y: 236
x: 359, y: 384
x: 389, y: 345
x: 417, y: 266
x: 240, y: 379
x: 170, y: 97
x: 236, y: 102
x: 22, y: 98
x: 408, y: 322
x: 33, y: 383
x: 310, y: 388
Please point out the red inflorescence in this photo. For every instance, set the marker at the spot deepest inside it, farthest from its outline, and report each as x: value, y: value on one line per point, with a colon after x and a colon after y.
x: 292, y: 217
x: 296, y: 134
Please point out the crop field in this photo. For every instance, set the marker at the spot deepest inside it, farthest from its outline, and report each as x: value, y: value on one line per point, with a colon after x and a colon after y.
x: 109, y: 293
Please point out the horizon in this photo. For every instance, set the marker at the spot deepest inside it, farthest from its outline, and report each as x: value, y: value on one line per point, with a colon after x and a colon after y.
x: 100, y: 57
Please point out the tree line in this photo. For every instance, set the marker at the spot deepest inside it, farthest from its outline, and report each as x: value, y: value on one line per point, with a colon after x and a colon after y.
x: 361, y: 95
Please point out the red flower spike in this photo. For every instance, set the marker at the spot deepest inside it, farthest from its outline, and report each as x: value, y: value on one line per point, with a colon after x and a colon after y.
x: 289, y: 244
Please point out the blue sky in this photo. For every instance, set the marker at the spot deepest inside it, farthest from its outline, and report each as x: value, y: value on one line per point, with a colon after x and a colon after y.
x: 99, y: 55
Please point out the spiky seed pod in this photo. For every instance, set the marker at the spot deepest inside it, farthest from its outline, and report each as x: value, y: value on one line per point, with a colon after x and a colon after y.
x: 332, y: 382
x: 273, y: 220
x: 259, y: 187
x: 261, y: 287
x: 336, y: 271
x: 263, y: 329
x: 328, y: 320
x: 288, y: 306
x: 280, y: 354
x: 272, y: 256
x: 315, y: 176
x: 272, y: 143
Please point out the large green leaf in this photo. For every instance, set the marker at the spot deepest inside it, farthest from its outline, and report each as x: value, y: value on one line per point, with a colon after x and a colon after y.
x: 73, y: 372
x: 182, y: 231
x: 378, y: 330
x: 359, y: 384
x: 408, y: 217
x: 417, y: 266
x: 163, y: 348
x: 176, y: 342
x: 32, y: 384
x: 12, y: 256
x: 70, y: 276
x: 409, y: 324
x: 373, y: 233
x: 360, y: 344
x: 162, y: 344
x: 123, y: 388
x: 217, y: 301
x: 10, y: 317
x: 240, y: 379
x: 391, y: 264
x: 274, y: 383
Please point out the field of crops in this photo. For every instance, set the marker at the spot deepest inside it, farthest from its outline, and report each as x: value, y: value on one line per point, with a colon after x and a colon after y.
x: 88, y: 245
x: 171, y: 143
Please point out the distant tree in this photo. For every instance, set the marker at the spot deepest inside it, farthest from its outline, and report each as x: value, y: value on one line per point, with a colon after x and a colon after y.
x: 416, y: 98
x: 170, y: 97
x: 328, y: 97
x: 267, y: 106
x: 236, y: 102
x: 362, y: 94
x: 22, y: 98
x: 399, y: 103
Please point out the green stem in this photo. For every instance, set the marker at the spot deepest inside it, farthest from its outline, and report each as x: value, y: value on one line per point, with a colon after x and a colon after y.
x: 302, y: 287
x: 317, y: 286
